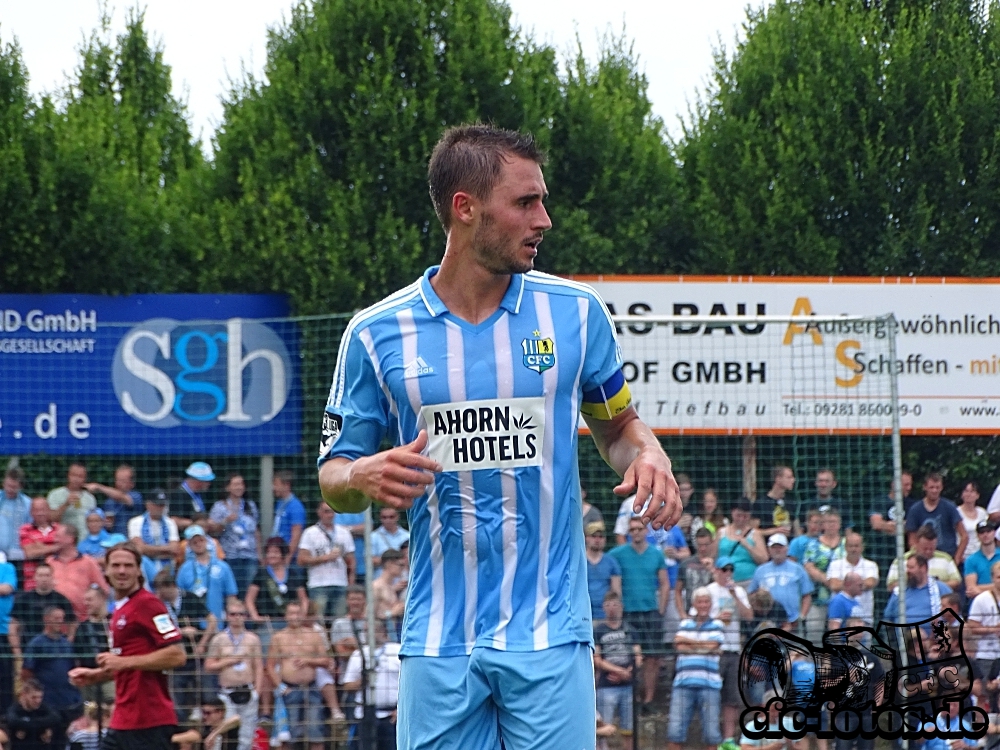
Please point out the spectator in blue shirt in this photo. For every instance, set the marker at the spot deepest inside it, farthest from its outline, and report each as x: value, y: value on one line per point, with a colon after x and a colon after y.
x: 923, y: 593
x: 48, y: 658
x: 814, y: 527
x: 15, y: 512
x: 205, y: 576
x: 123, y: 503
x: 942, y: 515
x: 93, y: 544
x: 8, y: 585
x: 845, y: 605
x: 604, y: 574
x: 387, y: 536
x: 289, y: 515
x: 645, y: 590
x: 787, y: 581
x: 978, y: 566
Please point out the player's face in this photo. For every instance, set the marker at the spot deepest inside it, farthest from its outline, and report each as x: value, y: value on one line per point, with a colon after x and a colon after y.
x: 123, y: 571
x: 513, y: 220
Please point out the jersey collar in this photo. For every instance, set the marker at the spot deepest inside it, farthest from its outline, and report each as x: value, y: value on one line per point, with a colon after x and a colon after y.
x: 511, y: 301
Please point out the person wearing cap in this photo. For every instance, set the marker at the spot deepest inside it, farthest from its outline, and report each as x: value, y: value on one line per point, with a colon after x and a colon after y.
x: 731, y: 606
x: 92, y: 544
x: 978, y: 565
x: 604, y: 574
x: 206, y: 577
x: 187, y: 499
x: 787, y: 581
x: 155, y: 535
x: 74, y: 573
x: 70, y: 503
x: 743, y: 543
x: 940, y: 564
x: 855, y: 562
x: 123, y: 503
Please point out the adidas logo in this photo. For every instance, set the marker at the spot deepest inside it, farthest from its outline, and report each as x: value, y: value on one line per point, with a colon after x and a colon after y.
x: 416, y: 368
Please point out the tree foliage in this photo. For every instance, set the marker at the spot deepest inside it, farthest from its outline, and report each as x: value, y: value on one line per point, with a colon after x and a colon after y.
x: 106, y: 175
x: 854, y: 138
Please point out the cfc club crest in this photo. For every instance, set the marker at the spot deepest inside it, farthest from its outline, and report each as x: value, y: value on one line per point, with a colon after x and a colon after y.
x: 539, y: 353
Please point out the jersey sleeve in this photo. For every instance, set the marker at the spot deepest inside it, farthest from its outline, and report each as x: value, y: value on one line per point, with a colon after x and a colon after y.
x: 357, y: 412
x: 605, y: 392
x: 158, y: 625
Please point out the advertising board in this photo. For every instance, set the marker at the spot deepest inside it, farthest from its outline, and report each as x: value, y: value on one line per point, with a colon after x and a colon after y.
x: 817, y: 378
x: 167, y: 373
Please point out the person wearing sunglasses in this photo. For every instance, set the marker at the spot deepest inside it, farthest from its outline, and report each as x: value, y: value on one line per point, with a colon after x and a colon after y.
x: 235, y: 655
x: 217, y: 732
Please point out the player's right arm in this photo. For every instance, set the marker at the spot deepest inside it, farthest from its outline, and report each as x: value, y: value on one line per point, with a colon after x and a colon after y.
x: 395, y: 477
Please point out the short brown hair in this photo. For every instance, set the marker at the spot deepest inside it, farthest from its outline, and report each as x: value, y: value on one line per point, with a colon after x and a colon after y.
x: 15, y: 474
x: 469, y: 158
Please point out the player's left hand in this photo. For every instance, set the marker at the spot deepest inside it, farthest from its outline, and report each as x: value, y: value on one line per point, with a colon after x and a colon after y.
x: 114, y: 662
x: 650, y: 477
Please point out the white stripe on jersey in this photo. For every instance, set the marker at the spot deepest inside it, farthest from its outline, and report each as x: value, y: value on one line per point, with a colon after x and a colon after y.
x: 546, y: 489
x: 369, y: 343
x: 340, y: 372
x: 544, y: 278
x: 503, y: 356
x: 584, y: 308
x: 470, y: 553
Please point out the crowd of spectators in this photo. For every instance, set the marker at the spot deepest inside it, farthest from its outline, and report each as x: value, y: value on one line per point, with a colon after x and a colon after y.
x: 690, y: 597
x: 273, y: 627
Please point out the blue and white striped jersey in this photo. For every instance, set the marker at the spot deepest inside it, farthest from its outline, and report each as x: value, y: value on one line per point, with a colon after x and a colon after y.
x: 496, y: 543
x: 699, y: 670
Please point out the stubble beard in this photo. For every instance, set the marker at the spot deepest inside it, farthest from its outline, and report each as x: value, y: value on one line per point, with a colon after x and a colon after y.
x: 495, y: 252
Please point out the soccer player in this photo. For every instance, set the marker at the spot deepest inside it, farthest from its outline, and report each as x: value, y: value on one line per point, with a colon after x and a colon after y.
x: 144, y: 643
x: 478, y: 373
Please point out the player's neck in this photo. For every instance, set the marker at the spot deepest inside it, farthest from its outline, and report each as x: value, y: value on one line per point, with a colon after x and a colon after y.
x: 125, y: 594
x: 467, y: 289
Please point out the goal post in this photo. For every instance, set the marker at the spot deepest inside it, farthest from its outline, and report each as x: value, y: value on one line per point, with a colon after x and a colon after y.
x: 732, y: 397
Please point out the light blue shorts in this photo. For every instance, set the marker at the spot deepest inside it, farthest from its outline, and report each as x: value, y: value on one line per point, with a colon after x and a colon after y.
x: 535, y: 701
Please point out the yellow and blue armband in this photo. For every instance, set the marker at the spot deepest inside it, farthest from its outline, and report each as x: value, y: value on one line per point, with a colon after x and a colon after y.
x: 607, y: 401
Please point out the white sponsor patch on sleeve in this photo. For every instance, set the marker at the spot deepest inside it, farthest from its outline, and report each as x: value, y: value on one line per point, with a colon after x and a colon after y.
x: 163, y: 624
x: 487, y: 434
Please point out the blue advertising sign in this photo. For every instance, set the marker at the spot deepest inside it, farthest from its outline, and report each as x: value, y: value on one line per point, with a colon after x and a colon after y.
x: 156, y: 373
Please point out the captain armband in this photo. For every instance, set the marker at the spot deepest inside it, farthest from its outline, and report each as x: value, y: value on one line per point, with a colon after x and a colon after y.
x: 607, y: 401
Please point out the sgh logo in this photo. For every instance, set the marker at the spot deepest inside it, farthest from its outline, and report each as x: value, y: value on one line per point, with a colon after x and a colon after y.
x: 167, y: 373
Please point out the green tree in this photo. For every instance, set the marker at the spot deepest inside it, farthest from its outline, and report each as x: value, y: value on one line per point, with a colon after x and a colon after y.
x: 842, y: 138
x: 617, y: 200
x: 320, y: 184
x: 112, y: 175
x: 25, y: 264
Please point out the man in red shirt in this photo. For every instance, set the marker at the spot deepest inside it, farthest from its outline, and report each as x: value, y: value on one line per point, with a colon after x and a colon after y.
x: 38, y: 539
x: 74, y: 573
x: 144, y: 642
